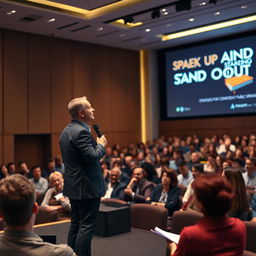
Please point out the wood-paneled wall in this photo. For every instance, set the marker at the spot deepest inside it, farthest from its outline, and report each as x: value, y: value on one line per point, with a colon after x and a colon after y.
x: 240, y: 125
x: 40, y: 75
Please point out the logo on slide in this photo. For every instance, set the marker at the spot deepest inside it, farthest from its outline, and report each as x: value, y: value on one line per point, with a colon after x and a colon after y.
x: 236, y: 82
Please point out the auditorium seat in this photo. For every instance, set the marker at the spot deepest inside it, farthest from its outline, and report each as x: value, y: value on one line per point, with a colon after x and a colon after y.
x: 44, y: 216
x: 113, y: 200
x: 251, y: 236
x: 146, y: 216
x: 181, y: 219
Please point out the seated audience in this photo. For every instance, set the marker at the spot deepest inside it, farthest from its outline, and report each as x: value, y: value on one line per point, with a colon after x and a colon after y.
x: 139, y: 188
x: 215, y: 234
x: 3, y: 171
x: 185, y: 176
x: 50, y: 168
x: 59, y: 166
x: 40, y: 183
x: 167, y: 193
x: 23, y: 169
x: 18, y: 209
x: 187, y: 199
x: 177, y: 159
x: 54, y: 201
x: 115, y: 188
x: 240, y: 204
x: 150, y: 173
x: 250, y: 175
x: 11, y: 168
x: 211, y: 165
x: 253, y: 206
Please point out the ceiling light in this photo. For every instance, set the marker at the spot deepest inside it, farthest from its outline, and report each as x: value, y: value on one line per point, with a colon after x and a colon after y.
x: 168, y: 25
x: 163, y: 10
x: 155, y: 14
x: 51, y: 20
x: 99, y: 28
x: 217, y: 13
x: 165, y: 13
x: 209, y: 28
x: 122, y: 35
x: 244, y: 6
x: 147, y: 30
x: 202, y: 3
x: 11, y: 12
x: 191, y: 19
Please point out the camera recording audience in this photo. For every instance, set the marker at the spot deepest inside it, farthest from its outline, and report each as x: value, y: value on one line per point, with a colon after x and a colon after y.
x: 18, y: 209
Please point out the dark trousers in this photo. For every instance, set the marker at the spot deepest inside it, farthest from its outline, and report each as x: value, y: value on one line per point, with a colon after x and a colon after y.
x: 83, y: 222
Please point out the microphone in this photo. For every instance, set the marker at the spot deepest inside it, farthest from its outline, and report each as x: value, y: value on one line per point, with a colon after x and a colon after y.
x: 97, y: 130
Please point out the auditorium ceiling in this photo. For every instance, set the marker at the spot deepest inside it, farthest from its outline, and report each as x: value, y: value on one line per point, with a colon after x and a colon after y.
x: 130, y: 24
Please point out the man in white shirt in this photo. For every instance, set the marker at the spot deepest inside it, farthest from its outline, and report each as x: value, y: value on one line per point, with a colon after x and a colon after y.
x: 185, y: 176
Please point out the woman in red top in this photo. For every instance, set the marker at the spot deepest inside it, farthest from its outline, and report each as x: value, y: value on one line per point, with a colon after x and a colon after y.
x: 216, y: 234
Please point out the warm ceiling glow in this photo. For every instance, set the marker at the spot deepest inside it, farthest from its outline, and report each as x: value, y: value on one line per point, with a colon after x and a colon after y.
x: 121, y: 23
x: 208, y: 28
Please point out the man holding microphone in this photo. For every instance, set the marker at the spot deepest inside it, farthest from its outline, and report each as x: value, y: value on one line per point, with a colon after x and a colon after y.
x: 83, y: 181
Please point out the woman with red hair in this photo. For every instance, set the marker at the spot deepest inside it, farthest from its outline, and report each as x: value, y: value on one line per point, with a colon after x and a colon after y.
x: 215, y: 234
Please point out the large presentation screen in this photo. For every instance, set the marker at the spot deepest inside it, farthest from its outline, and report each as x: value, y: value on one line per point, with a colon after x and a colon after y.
x: 214, y: 79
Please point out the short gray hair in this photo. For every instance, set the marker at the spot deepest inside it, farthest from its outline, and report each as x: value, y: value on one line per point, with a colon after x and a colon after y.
x: 77, y: 105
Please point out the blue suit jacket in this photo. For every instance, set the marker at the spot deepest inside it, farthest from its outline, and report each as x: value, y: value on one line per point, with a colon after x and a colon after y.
x: 81, y: 156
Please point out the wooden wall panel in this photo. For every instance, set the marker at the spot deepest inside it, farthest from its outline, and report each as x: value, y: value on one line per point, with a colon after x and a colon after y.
x: 133, y: 113
x: 15, y: 82
x: 8, y: 146
x: 61, y: 87
x: 102, y: 87
x: 1, y: 149
x: 82, y: 69
x: 209, y: 126
x: 39, y: 85
x: 119, y: 90
x: 55, y: 145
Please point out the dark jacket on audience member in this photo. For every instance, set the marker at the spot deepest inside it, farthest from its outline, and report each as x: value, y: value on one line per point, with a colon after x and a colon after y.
x: 173, y: 201
x: 118, y: 190
x: 141, y: 190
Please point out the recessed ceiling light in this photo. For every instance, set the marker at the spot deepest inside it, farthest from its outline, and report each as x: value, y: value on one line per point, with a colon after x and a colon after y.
x: 143, y: 39
x: 147, y: 30
x: 165, y: 13
x: 163, y: 10
x: 217, y: 13
x: 99, y: 28
x: 244, y: 6
x: 191, y: 19
x: 11, y: 12
x: 168, y: 25
x: 122, y: 35
x: 202, y: 3
x: 51, y: 20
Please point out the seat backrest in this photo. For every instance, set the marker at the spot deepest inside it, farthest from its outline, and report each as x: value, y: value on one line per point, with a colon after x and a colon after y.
x: 251, y: 236
x: 44, y: 216
x: 113, y: 200
x: 146, y: 216
x: 181, y: 219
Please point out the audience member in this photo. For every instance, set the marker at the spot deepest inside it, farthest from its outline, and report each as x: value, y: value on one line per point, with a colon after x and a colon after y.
x: 177, y: 158
x: 185, y: 176
x: 240, y: 204
x: 187, y: 199
x: 54, y: 201
x: 50, y: 168
x: 40, y: 183
x: 59, y: 165
x: 250, y: 175
x: 211, y: 165
x: 215, y: 234
x: 139, y: 188
x: 150, y: 172
x: 253, y: 206
x: 115, y: 188
x: 11, y: 168
x: 23, y: 169
x: 18, y: 209
x: 3, y: 171
x: 167, y: 193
